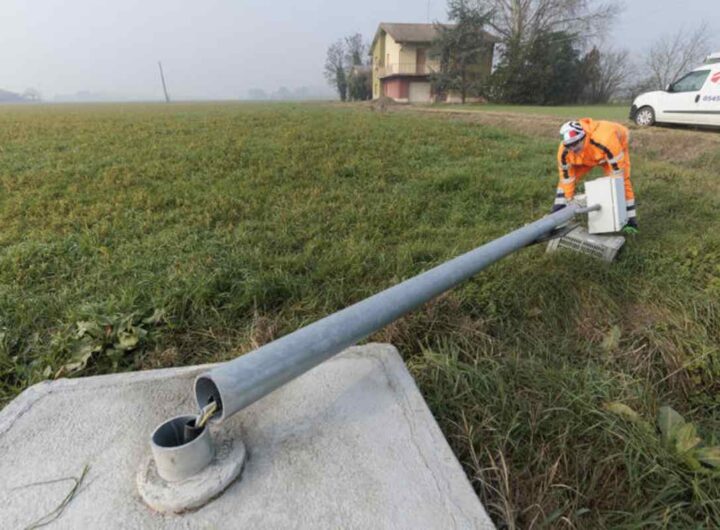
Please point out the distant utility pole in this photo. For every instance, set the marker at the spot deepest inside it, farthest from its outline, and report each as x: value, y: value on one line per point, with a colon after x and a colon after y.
x: 162, y: 78
x: 428, y: 12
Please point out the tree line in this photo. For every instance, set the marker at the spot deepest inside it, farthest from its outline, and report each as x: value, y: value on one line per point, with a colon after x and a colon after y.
x: 30, y: 95
x: 549, y: 52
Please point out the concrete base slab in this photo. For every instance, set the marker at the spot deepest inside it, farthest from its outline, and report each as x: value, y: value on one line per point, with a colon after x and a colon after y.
x: 350, y: 444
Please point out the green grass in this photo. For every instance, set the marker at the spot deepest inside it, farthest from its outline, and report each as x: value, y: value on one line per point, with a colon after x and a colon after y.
x: 599, y: 112
x: 191, y: 233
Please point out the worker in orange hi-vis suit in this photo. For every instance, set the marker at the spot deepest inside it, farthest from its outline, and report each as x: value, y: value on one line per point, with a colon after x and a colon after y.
x: 587, y: 144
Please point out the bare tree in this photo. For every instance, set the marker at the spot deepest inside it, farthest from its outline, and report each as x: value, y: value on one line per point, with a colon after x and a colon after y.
x: 519, y: 22
x: 358, y: 73
x: 606, y: 73
x: 356, y: 50
x: 674, y: 54
x: 335, y: 68
x: 32, y: 94
x: 347, y: 68
x: 527, y: 26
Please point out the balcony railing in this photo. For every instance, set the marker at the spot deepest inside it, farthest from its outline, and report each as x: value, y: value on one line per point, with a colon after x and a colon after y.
x: 406, y: 69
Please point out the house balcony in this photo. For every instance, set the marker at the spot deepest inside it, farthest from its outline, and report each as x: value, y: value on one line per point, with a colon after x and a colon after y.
x: 405, y: 69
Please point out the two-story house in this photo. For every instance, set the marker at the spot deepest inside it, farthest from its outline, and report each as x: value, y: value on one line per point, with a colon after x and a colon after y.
x: 401, y: 63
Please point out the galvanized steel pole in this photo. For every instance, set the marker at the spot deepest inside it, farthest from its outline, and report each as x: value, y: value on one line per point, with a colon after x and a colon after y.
x: 242, y: 381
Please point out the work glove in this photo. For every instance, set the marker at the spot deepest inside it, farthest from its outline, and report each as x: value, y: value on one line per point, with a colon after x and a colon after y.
x: 557, y: 207
x: 631, y: 228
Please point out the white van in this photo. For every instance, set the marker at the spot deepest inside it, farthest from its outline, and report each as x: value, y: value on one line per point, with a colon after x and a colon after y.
x: 693, y: 99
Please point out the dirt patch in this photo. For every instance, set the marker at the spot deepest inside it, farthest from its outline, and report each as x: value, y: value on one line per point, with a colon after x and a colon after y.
x: 659, y: 143
x: 674, y: 145
x: 383, y: 103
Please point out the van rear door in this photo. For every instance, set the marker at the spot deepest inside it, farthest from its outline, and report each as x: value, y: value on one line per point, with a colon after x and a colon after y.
x: 681, y: 102
x: 710, y: 99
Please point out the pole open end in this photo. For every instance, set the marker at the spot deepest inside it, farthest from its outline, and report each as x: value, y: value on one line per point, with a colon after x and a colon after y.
x: 206, y: 392
x: 180, y: 451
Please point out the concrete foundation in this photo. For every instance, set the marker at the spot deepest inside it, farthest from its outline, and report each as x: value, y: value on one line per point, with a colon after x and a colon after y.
x: 350, y: 444
x: 197, y: 490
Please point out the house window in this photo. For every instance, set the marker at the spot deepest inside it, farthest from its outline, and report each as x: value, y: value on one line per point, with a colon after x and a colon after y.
x: 420, y: 59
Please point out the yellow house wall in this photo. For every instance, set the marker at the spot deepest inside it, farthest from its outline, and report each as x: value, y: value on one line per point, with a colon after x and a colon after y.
x: 392, y: 49
x: 378, y: 53
x: 386, y: 52
x: 407, y: 54
x: 407, y: 57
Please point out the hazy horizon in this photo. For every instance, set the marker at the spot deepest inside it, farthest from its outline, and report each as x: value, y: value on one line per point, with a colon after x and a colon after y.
x: 223, y: 50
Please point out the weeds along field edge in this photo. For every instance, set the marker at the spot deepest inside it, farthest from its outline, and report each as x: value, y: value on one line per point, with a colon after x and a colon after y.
x: 142, y: 236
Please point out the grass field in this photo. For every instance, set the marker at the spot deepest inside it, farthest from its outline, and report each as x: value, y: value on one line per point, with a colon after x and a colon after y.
x: 599, y: 112
x: 140, y: 236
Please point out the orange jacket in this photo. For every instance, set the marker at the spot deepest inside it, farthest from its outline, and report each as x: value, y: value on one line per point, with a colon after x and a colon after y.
x: 606, y: 146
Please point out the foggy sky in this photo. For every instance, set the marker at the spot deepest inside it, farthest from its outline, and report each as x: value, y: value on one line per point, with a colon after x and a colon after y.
x: 219, y: 49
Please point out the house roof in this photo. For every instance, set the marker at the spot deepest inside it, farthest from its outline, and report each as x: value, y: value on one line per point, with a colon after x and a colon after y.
x: 414, y: 33
x: 410, y: 32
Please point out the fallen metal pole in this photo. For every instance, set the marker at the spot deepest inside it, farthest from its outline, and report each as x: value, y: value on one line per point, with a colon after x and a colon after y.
x: 236, y: 384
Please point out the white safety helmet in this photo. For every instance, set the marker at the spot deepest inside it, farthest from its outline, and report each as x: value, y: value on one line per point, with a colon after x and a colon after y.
x: 572, y: 133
